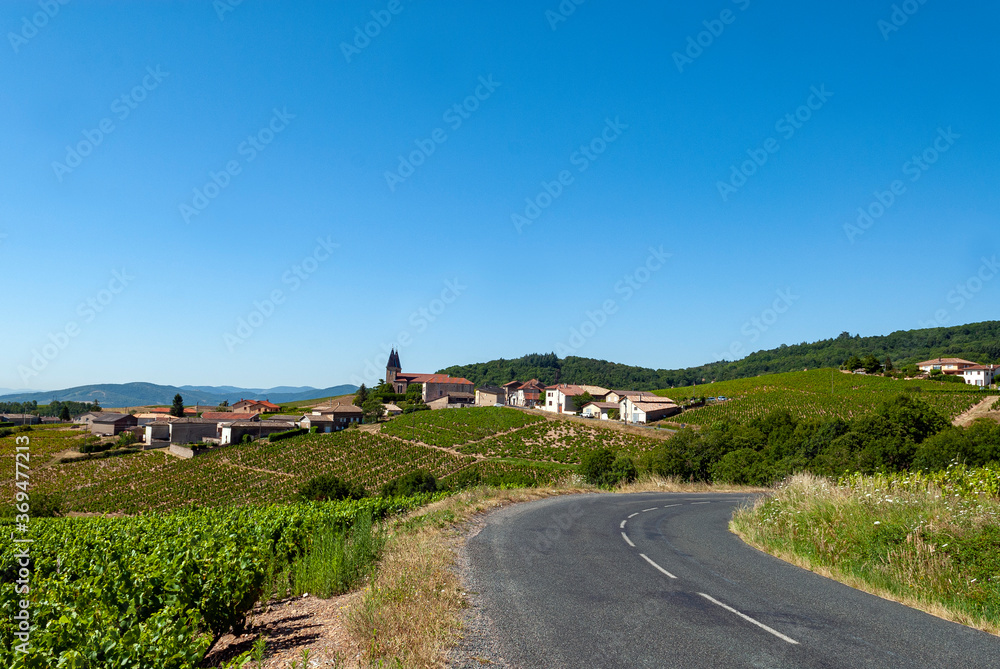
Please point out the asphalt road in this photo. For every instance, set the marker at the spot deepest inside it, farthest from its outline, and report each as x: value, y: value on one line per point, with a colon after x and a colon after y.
x: 657, y: 580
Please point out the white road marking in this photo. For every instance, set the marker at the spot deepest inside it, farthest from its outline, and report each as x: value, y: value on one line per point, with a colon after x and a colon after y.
x: 646, y: 558
x: 623, y: 523
x: 653, y: 509
x: 670, y: 505
x: 751, y: 620
x: 634, y: 514
x: 693, y: 503
x: 627, y: 540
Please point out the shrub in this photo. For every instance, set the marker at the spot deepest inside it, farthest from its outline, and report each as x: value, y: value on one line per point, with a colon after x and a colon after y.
x: 415, y: 482
x: 595, y: 465
x: 622, y: 471
x: 287, y: 434
x: 743, y: 466
x: 126, y: 439
x: 327, y: 487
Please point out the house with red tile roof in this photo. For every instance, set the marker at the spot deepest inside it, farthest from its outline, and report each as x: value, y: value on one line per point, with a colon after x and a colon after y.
x: 434, y: 386
x: 945, y: 365
x: 979, y: 375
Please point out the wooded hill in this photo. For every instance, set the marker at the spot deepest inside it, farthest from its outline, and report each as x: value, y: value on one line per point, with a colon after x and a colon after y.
x: 979, y: 342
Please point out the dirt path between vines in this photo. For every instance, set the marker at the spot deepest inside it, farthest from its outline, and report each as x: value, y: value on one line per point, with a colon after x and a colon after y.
x: 981, y: 410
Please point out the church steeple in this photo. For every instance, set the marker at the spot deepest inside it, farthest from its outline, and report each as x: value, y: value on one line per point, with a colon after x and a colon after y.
x: 392, y: 368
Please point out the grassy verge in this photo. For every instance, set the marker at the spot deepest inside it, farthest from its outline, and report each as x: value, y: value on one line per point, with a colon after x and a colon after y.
x: 904, y: 538
x: 409, y: 614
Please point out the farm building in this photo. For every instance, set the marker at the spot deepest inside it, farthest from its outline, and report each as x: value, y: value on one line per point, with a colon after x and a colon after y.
x: 157, y: 431
x: 193, y: 430
x: 488, y: 396
x: 110, y: 424
x: 600, y: 410
x: 233, y: 433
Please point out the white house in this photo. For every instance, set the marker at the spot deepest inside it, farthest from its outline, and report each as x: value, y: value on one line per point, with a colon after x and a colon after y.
x: 560, y: 398
x: 979, y: 375
x: 599, y: 410
x: 646, y: 409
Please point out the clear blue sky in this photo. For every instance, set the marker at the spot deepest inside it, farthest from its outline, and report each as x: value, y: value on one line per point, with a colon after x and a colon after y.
x: 308, y: 115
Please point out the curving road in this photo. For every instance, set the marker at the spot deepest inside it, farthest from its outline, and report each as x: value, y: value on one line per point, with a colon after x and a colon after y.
x: 657, y: 580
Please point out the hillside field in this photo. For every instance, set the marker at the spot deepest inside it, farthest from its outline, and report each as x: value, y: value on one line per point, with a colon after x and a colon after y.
x: 818, y: 392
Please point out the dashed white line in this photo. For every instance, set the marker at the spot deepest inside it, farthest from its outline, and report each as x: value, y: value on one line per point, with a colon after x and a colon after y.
x: 664, y: 571
x: 693, y: 503
x: 652, y: 509
x: 634, y: 514
x: 623, y: 523
x: 627, y: 540
x: 751, y: 620
x: 670, y: 505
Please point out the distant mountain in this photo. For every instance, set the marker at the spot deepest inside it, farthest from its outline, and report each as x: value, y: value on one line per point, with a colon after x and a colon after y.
x: 11, y: 391
x: 141, y: 394
x: 229, y: 390
x: 979, y: 342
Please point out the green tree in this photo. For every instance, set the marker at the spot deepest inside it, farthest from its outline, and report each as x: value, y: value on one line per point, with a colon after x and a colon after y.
x: 373, y: 409
x: 871, y: 364
x: 595, y: 465
x: 329, y: 488
x: 64, y: 414
x: 361, y: 396
x: 177, y: 409
x: 888, y: 364
x: 852, y: 363
x: 413, y: 483
x: 223, y: 406
x: 583, y: 400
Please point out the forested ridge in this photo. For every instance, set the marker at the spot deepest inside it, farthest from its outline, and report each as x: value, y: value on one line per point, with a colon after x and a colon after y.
x: 979, y: 342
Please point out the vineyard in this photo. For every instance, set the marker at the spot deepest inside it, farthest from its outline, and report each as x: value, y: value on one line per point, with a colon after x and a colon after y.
x: 253, y: 473
x: 558, y: 441
x: 820, y: 392
x: 154, y: 590
x: 448, y: 429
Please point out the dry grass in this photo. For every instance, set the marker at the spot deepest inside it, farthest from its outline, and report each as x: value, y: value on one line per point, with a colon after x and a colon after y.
x: 653, y: 483
x: 409, y: 615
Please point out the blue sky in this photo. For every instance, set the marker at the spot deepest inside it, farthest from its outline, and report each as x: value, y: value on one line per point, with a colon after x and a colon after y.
x: 258, y: 194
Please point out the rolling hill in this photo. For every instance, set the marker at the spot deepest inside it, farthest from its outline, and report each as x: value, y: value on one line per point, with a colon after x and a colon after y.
x: 141, y: 394
x: 979, y: 342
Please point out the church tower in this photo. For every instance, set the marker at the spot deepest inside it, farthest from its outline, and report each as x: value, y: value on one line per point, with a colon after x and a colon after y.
x: 391, y: 369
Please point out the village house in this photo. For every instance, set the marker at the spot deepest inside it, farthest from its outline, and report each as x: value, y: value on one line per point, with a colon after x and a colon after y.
x: 510, y: 390
x: 488, y: 396
x: 601, y: 410
x: 453, y: 400
x: 979, y: 375
x: 646, y: 408
x: 434, y: 386
x: 332, y: 417
x: 945, y: 365
x: 561, y: 398
x: 255, y: 406
x: 392, y: 409
x: 87, y: 418
x: 229, y: 416
x: 529, y: 394
x: 112, y: 424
